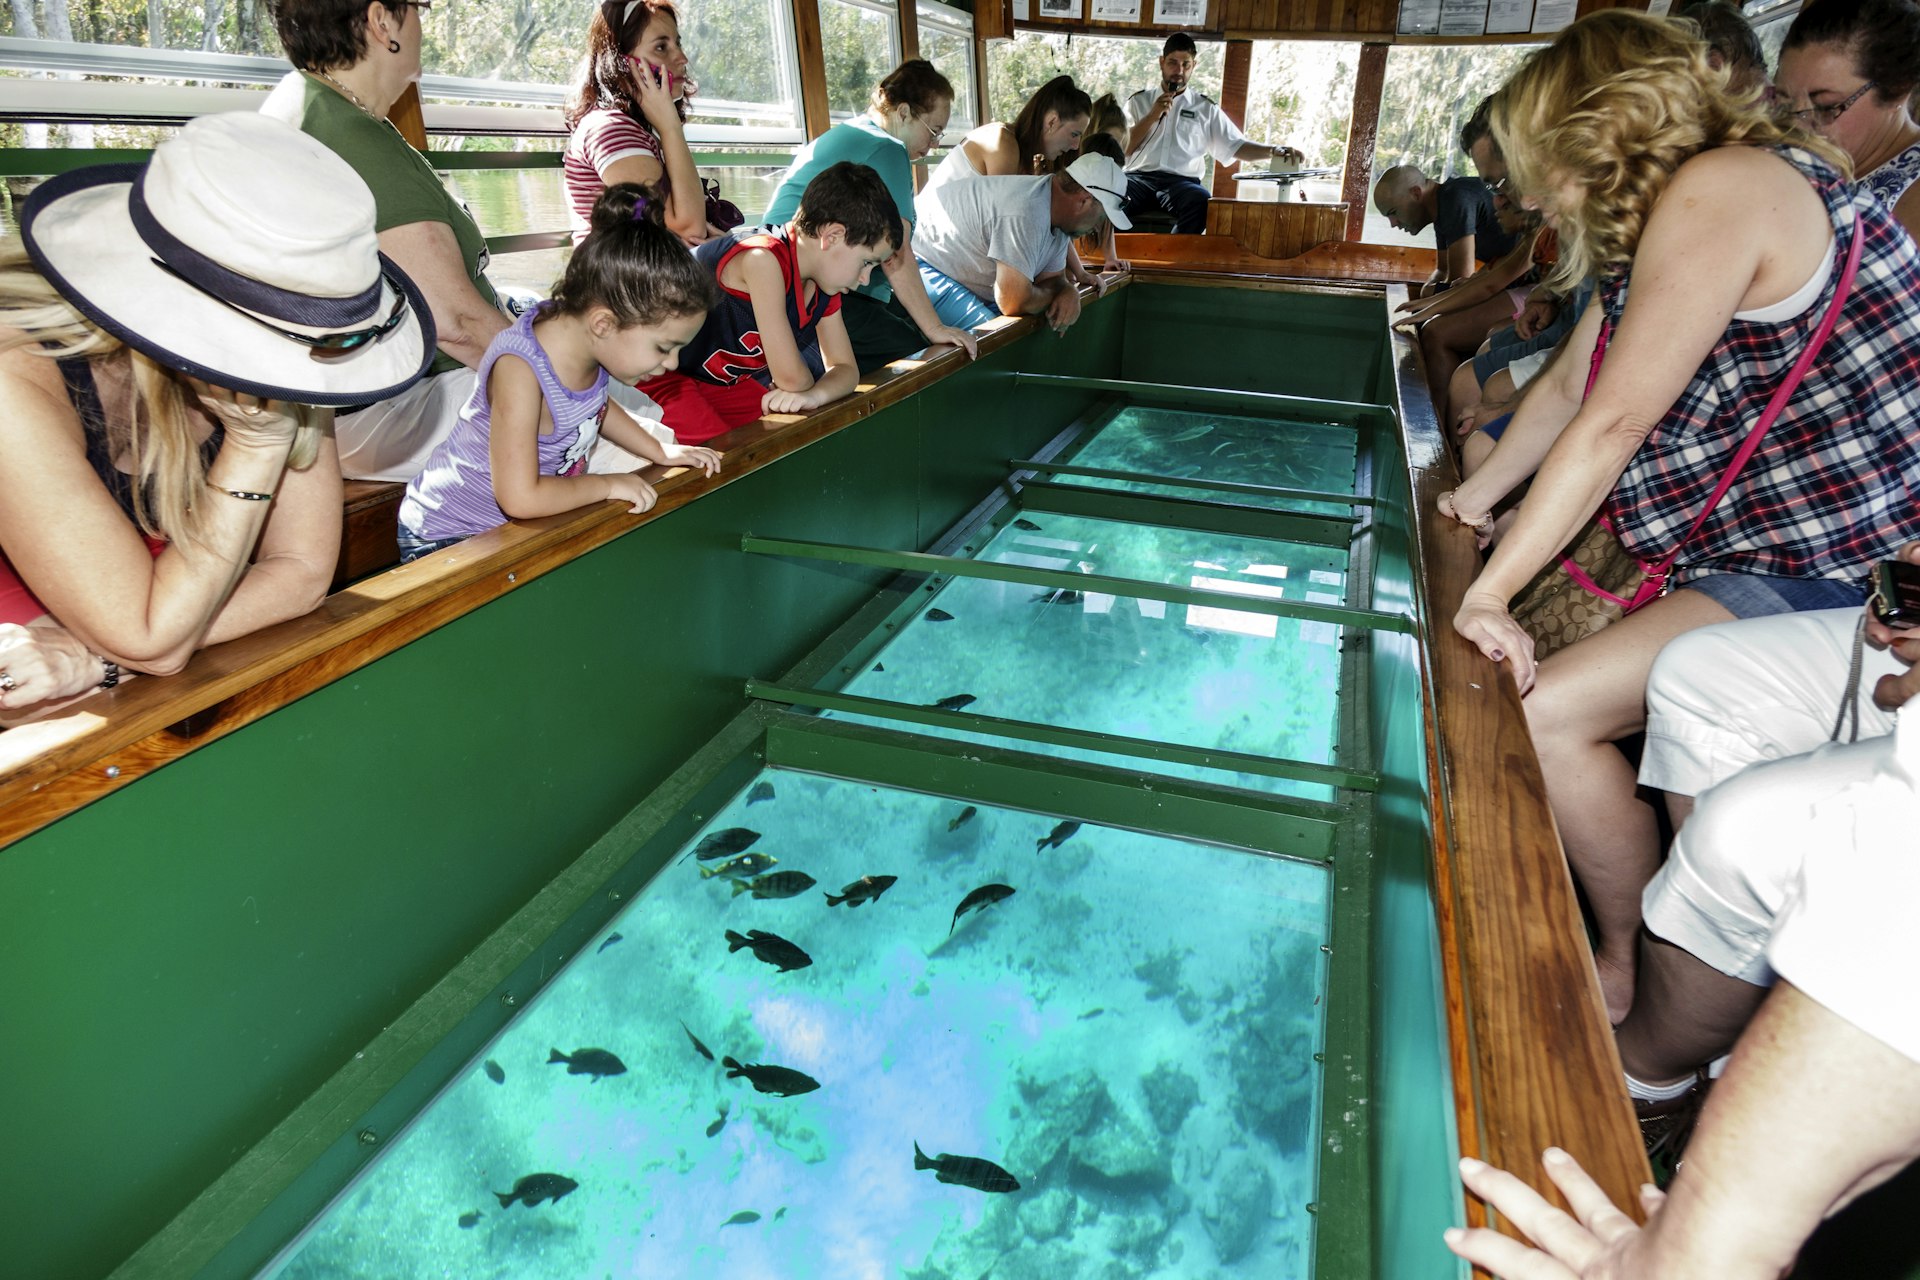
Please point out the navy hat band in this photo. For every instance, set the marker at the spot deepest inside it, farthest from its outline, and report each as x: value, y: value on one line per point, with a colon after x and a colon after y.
x: 244, y: 291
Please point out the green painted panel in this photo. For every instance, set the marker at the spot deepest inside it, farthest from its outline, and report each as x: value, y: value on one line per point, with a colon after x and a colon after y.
x: 1305, y: 345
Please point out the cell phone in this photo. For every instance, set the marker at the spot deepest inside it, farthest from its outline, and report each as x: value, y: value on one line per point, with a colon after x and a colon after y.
x: 1896, y: 593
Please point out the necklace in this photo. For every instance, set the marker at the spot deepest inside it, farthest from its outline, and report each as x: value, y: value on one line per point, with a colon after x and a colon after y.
x: 349, y: 94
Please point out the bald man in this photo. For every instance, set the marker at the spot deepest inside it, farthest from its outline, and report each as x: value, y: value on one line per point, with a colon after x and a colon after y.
x: 1460, y: 211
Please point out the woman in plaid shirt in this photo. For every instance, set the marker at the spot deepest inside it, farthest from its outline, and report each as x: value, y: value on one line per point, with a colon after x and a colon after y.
x: 1719, y: 234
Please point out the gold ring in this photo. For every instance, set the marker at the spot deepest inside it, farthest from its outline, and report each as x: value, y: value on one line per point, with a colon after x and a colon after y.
x: 252, y: 411
x: 7, y: 683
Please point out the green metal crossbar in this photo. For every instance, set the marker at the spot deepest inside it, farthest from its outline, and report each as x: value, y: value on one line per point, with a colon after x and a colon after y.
x: 1233, y: 518
x: 1174, y: 392
x: 1061, y: 736
x: 1060, y: 579
x: 1213, y: 486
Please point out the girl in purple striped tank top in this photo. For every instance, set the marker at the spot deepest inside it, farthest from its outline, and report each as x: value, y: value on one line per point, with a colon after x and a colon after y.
x: 631, y: 297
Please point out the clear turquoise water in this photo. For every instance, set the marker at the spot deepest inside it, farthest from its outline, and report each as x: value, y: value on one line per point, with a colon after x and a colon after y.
x: 1188, y: 674
x: 1146, y: 1075
x: 1218, y: 446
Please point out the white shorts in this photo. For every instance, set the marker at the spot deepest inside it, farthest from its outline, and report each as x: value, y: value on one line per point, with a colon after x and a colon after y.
x: 1737, y: 693
x: 1809, y: 868
x: 1526, y: 368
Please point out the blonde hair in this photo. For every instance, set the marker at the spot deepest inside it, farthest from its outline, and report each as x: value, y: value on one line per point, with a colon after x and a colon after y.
x: 1615, y: 105
x: 168, y: 472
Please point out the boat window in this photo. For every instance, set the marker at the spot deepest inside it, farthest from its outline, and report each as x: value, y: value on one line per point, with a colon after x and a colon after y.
x: 1300, y: 93
x: 946, y: 40
x: 860, y: 40
x: 1015, y: 68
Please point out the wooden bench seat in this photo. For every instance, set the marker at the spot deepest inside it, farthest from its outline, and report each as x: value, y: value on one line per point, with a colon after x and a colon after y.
x: 369, y: 529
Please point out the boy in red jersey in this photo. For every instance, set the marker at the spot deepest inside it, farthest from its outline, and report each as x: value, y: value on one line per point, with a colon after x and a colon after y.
x: 776, y: 343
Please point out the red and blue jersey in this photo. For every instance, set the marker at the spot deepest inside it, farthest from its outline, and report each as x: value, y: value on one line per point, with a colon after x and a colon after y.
x: 728, y: 348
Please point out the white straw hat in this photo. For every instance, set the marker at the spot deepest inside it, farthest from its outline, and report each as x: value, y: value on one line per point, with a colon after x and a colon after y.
x: 1107, y: 182
x: 243, y: 253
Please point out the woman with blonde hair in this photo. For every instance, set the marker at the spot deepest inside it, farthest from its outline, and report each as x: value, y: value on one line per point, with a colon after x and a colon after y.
x: 167, y: 487
x: 1725, y: 242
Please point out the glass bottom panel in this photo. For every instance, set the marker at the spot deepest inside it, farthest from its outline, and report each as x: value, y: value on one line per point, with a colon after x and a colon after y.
x: 1129, y: 1035
x: 1201, y: 444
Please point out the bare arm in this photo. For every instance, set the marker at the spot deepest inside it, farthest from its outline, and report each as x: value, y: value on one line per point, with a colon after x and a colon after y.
x: 1456, y: 260
x: 1016, y: 295
x: 994, y: 152
x: 1543, y: 413
x: 840, y: 377
x: 464, y: 320
x: 298, y: 552
x: 519, y: 411
x: 1265, y: 151
x: 686, y: 198
x: 1489, y: 282
x: 619, y: 427
x: 758, y: 272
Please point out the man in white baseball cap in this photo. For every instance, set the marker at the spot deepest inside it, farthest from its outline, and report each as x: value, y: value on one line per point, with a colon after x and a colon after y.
x: 990, y: 247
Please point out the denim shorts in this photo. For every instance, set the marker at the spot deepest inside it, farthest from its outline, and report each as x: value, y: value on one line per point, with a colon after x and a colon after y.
x: 413, y: 546
x: 1755, y: 595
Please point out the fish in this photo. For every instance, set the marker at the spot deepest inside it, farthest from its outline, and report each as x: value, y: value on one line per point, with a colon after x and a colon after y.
x: 535, y: 1187
x: 698, y: 1048
x: 597, y: 1063
x: 1056, y: 837
x: 761, y: 791
x: 879, y: 666
x: 939, y: 615
x: 724, y: 844
x: 1094, y: 1012
x: 781, y: 884
x: 1193, y: 433
x: 771, y: 948
x: 611, y: 939
x: 495, y: 1072
x: 747, y: 864
x: 469, y: 1220
x: 784, y: 1081
x: 966, y: 816
x: 958, y: 702
x: 1028, y: 525
x: 780, y: 1213
x: 741, y: 1218
x: 966, y: 1171
x: 1061, y: 596
x: 985, y: 896
x: 865, y: 889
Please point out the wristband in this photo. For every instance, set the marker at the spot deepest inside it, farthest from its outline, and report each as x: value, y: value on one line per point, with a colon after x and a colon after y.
x: 245, y: 495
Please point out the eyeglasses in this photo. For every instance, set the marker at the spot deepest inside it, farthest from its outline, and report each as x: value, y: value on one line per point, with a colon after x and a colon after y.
x: 1498, y: 185
x: 323, y: 346
x: 933, y: 135
x: 1827, y: 113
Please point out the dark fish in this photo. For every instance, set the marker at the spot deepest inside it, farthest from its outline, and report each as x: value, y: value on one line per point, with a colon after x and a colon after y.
x: 698, y: 1048
x: 1028, y: 525
x: 1057, y: 837
x: 939, y: 615
x: 761, y: 791
x: 958, y: 702
x: 469, y: 1220
x: 1094, y: 1012
x: 590, y: 1062
x: 724, y: 844
x: 780, y: 1213
x: 611, y: 939
x: 784, y: 1081
x: 770, y: 947
x: 966, y: 1171
x: 879, y: 666
x: 865, y: 889
x: 535, y: 1187
x: 747, y: 864
x: 741, y: 1218
x: 985, y: 896
x: 781, y: 884
x: 713, y: 1130
x: 966, y: 816
x: 495, y: 1072
x: 1061, y: 596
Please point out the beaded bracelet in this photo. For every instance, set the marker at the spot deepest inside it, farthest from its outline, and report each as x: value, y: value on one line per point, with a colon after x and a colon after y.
x: 245, y: 495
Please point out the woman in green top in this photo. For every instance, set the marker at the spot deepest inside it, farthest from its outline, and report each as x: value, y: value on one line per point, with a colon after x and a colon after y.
x: 355, y: 60
x: 892, y: 318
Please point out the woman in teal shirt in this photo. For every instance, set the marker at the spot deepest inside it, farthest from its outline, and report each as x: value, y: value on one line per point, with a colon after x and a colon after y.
x: 891, y: 318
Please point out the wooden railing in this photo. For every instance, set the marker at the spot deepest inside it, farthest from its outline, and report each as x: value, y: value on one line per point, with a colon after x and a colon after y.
x: 1534, y: 1058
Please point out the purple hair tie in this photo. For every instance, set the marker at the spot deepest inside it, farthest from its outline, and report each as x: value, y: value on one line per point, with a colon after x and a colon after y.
x: 639, y: 208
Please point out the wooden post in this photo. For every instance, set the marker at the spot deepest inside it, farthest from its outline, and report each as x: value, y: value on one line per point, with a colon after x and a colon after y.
x: 1233, y: 101
x: 980, y: 115
x: 407, y: 118
x: 909, y: 30
x: 811, y: 51
x: 1368, y: 85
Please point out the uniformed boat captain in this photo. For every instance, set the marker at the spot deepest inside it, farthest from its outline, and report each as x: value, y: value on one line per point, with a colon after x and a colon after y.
x: 1172, y: 133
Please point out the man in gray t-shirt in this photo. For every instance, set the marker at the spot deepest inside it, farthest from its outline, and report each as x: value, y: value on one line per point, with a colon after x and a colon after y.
x: 998, y: 246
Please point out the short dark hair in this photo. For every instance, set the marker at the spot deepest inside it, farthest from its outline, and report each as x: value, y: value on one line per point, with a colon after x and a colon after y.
x: 916, y: 84
x: 1727, y: 32
x: 1883, y: 35
x: 853, y: 196
x: 1479, y: 125
x: 1179, y: 42
x: 325, y: 33
x: 632, y: 265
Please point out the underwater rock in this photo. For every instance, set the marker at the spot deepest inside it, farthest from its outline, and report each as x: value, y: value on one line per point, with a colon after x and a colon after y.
x: 1139, y: 1236
x: 1191, y: 1006
x: 1048, y: 1214
x: 1060, y: 1110
x: 1271, y: 1062
x: 1161, y: 972
x: 1053, y: 1260
x: 1170, y: 1093
x: 1240, y: 1208
x: 1123, y: 1155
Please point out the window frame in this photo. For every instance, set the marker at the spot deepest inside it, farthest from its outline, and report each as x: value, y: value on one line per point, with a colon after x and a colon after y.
x: 956, y: 23
x: 888, y: 9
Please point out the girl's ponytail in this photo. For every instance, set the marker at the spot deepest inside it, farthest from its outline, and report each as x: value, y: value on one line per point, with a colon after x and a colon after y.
x: 631, y: 264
